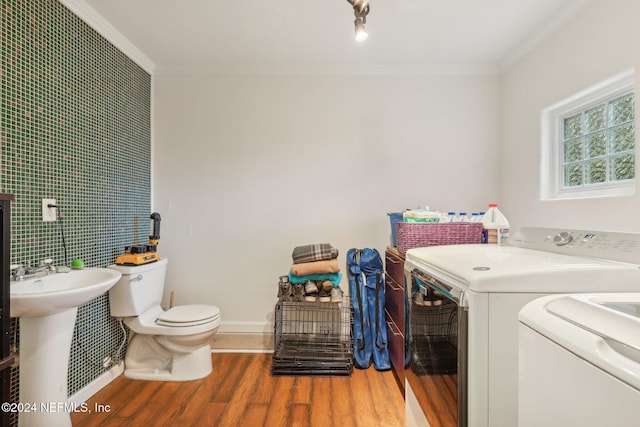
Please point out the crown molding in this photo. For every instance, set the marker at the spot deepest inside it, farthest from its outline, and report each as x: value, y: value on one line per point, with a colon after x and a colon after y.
x: 89, y: 15
x: 332, y: 69
x: 563, y: 15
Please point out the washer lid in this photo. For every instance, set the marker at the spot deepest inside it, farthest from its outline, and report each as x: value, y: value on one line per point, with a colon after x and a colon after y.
x: 599, y: 328
x: 189, y: 315
x: 495, y: 268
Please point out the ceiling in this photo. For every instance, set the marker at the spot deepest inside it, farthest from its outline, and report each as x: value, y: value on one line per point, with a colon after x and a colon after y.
x: 405, y: 36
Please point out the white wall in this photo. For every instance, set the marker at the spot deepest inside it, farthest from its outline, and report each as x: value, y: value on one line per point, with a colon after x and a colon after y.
x: 248, y: 167
x: 599, y: 43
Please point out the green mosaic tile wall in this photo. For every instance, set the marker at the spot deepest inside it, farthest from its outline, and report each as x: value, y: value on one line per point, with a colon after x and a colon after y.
x: 75, y: 126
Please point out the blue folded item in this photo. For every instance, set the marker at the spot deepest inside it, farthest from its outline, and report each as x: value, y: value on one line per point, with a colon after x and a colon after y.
x: 334, y: 278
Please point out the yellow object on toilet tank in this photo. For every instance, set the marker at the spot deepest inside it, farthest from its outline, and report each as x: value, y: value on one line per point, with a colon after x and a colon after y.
x: 143, y: 254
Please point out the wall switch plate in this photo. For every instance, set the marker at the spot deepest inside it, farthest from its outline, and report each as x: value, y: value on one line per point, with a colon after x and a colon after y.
x: 49, y: 214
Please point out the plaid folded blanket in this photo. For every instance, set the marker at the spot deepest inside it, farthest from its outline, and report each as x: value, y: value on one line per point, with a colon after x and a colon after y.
x: 315, y: 252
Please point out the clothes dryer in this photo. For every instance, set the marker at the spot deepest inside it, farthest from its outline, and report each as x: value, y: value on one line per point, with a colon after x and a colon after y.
x: 489, y: 285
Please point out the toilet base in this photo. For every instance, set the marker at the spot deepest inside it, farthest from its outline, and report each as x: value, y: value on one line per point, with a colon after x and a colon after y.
x: 146, y: 359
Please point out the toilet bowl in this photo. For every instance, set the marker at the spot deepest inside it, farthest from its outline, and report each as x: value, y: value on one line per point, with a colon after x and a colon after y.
x: 170, y: 345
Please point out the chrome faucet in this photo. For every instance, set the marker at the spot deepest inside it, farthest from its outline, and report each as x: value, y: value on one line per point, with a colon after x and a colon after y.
x: 45, y: 268
x: 17, y: 272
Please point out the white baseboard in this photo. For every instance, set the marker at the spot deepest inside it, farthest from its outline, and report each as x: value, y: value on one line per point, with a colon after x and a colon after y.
x: 246, y: 328
x: 242, y: 350
x: 96, y: 385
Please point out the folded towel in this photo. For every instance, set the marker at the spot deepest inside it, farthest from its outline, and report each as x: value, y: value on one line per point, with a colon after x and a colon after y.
x: 325, y: 266
x: 315, y: 252
x: 334, y: 278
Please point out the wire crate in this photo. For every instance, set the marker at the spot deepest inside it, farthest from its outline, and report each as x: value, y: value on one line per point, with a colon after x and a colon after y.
x: 434, y: 338
x: 313, y: 338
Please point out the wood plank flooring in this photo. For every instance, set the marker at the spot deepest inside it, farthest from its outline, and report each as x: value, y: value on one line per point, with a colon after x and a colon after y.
x: 242, y: 392
x: 437, y: 395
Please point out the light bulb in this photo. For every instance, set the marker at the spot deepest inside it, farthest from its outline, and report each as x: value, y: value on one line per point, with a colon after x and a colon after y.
x: 361, y: 32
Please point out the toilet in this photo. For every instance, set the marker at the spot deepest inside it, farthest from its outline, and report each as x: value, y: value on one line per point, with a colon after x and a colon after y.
x: 170, y: 345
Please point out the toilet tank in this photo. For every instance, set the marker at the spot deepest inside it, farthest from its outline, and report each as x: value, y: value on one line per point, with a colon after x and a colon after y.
x: 139, y: 288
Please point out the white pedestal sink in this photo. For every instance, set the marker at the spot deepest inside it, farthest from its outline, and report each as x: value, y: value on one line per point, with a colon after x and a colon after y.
x: 47, y: 308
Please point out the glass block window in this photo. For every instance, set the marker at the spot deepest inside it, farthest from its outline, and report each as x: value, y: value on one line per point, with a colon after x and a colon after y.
x: 588, y: 142
x: 599, y: 144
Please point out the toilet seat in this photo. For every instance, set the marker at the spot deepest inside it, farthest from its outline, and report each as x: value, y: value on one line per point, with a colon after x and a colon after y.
x: 147, y: 323
x: 188, y: 315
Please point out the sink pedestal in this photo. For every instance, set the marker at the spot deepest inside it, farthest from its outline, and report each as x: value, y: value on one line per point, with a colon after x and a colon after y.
x: 45, y: 344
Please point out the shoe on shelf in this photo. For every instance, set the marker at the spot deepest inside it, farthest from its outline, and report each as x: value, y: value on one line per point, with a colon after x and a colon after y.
x: 418, y: 298
x: 284, y: 291
x: 310, y: 287
x: 324, y: 296
x: 336, y: 295
x: 311, y: 297
x: 298, y: 292
x: 327, y: 285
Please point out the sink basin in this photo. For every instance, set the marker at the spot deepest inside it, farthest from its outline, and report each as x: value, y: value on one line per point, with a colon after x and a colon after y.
x: 58, y: 292
x: 47, y: 307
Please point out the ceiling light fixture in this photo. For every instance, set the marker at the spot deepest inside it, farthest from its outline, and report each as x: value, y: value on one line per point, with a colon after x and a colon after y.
x: 360, y: 10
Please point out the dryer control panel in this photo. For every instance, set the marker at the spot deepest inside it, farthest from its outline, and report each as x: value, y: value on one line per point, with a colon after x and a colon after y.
x: 611, y: 245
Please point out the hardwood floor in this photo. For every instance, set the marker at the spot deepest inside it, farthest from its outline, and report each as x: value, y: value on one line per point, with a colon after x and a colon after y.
x: 242, y: 392
x: 437, y: 395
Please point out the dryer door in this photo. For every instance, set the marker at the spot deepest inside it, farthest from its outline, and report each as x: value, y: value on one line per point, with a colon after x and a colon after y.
x: 438, y: 330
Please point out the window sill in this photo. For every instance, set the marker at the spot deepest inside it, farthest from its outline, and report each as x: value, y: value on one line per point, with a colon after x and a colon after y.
x: 620, y: 190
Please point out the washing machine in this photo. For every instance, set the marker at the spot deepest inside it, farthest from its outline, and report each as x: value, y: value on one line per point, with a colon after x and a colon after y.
x: 580, y: 361
x: 479, y: 290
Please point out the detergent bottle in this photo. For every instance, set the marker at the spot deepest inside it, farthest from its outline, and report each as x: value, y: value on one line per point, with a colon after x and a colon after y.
x: 495, y: 227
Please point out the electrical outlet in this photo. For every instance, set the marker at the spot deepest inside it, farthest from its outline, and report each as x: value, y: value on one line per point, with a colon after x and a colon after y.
x: 49, y: 214
x: 107, y: 362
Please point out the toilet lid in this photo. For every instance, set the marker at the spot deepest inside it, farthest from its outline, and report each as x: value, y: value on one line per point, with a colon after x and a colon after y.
x: 189, y: 315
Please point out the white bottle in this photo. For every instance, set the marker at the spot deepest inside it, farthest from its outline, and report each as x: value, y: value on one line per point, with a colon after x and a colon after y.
x: 443, y: 217
x: 452, y: 217
x: 475, y: 217
x: 495, y: 227
x: 463, y: 217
